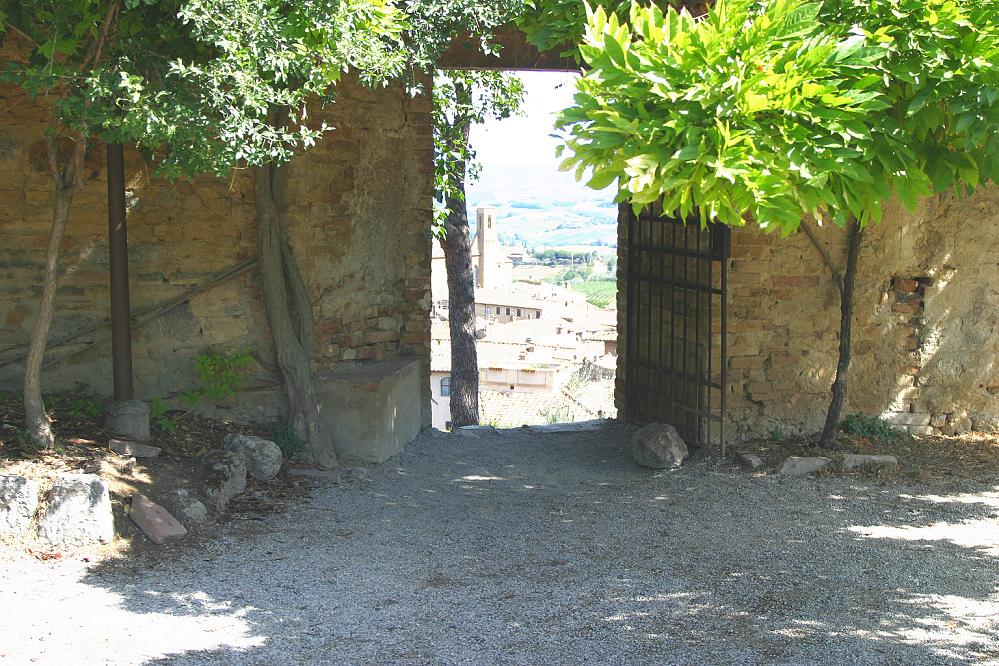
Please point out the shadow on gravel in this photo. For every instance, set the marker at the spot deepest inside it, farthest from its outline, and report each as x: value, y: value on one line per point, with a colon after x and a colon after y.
x: 554, y: 549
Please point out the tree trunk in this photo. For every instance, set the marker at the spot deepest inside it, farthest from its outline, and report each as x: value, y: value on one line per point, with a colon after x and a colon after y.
x: 289, y: 313
x: 461, y: 318
x: 457, y: 246
x: 67, y: 176
x: 827, y: 440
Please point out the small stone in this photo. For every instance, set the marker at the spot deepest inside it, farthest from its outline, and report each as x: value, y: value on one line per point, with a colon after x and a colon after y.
x: 658, y: 446
x: 856, y: 460
x: 750, y: 462
x: 155, y: 521
x: 128, y: 448
x: 129, y: 418
x: 18, y: 502
x: 226, y: 479
x: 78, y: 511
x: 191, y: 508
x: 803, y: 466
x: 263, y: 457
x: 358, y: 473
x: 333, y: 475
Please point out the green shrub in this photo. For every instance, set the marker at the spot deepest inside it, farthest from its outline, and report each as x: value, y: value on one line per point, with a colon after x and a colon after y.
x: 159, y: 417
x: 863, y: 425
x: 291, y: 445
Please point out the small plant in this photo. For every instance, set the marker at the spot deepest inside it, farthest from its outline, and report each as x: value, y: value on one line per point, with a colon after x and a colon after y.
x: 291, y: 445
x: 86, y: 405
x: 159, y: 417
x: 221, y: 375
x: 776, y: 434
x: 872, y: 427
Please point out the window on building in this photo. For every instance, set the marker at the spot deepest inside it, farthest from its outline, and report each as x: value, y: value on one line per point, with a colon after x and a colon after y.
x: 489, y: 311
x: 508, y: 311
x: 446, y: 387
x: 518, y: 312
x: 537, y: 314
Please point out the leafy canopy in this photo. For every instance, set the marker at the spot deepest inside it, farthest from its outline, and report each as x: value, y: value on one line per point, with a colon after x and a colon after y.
x: 776, y: 109
x: 462, y: 99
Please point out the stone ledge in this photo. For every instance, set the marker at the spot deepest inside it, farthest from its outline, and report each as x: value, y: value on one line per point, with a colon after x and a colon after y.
x: 372, y: 410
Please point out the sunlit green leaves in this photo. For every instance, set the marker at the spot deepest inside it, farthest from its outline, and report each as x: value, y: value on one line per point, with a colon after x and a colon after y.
x: 777, y: 109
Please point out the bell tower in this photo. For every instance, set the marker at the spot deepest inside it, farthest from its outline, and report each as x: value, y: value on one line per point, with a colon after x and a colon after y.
x: 487, y: 244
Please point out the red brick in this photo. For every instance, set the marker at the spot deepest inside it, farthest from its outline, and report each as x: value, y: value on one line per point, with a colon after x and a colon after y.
x: 155, y: 521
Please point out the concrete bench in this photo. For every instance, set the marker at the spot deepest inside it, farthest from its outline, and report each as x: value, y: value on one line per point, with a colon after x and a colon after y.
x: 372, y: 410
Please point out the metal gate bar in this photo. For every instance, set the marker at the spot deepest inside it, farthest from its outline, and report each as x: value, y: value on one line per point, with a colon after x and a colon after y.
x: 677, y: 295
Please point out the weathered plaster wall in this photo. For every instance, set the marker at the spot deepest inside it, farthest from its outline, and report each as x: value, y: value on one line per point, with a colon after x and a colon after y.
x: 926, y: 325
x: 359, y: 224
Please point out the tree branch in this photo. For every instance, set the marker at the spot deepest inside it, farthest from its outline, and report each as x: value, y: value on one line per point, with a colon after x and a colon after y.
x: 837, y: 278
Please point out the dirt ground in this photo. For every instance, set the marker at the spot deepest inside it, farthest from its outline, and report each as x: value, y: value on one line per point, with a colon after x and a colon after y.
x: 518, y: 547
x: 82, y: 447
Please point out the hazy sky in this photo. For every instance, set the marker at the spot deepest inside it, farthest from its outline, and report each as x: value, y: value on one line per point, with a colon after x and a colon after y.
x: 524, y: 140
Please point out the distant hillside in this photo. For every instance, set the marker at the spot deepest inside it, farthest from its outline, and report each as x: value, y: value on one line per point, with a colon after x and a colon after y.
x: 546, y: 208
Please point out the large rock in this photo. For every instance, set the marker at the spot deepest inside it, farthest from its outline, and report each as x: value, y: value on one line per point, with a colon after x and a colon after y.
x: 226, y: 478
x: 190, y: 508
x: 749, y: 461
x: 856, y: 461
x: 658, y: 446
x: 78, y: 511
x: 803, y: 466
x: 263, y: 457
x: 18, y: 502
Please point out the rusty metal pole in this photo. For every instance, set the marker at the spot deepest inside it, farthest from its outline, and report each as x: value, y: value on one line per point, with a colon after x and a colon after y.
x: 121, y: 330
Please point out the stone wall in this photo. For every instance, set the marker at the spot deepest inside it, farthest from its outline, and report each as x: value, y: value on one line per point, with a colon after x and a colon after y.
x: 359, y: 224
x: 926, y: 324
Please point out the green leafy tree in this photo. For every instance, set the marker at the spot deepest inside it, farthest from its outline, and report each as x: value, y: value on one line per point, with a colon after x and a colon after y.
x: 59, y: 48
x: 782, y: 110
x: 462, y: 99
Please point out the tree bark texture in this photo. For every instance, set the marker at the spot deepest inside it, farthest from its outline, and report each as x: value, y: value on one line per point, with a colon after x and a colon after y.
x: 289, y: 314
x: 67, y: 176
x: 457, y: 246
x: 838, y: 398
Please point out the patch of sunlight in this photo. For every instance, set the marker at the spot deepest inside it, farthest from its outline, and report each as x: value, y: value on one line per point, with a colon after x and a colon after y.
x: 981, y: 534
x: 989, y: 498
x: 476, y: 477
x: 961, y: 620
x: 97, y: 625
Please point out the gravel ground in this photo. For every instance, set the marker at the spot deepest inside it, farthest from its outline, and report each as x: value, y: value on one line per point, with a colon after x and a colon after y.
x: 524, y: 548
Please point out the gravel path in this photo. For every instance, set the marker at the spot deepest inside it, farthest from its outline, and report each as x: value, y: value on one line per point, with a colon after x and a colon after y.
x: 525, y: 548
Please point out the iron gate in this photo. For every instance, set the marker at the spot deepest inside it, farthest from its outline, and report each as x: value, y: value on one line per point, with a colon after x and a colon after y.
x: 676, y: 346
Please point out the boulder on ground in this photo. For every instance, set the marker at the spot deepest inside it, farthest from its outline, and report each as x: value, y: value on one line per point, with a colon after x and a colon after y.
x: 18, y: 502
x: 263, y: 457
x: 226, y: 478
x: 190, y: 508
x: 856, y: 460
x: 658, y: 446
x: 803, y: 466
x: 749, y: 461
x: 155, y: 521
x: 78, y: 511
